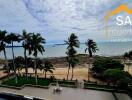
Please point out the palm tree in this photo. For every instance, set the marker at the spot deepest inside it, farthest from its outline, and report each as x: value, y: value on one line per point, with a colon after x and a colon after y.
x: 30, y: 63
x: 36, y: 46
x: 40, y: 64
x: 48, y: 67
x: 10, y: 64
x: 73, y: 61
x: 14, y: 38
x: 71, y: 57
x: 72, y: 43
x: 3, y: 42
x: 19, y: 63
x: 91, y: 48
x: 26, y: 45
x: 128, y: 56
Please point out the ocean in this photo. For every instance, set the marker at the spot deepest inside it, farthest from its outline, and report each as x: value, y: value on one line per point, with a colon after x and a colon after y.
x: 105, y: 49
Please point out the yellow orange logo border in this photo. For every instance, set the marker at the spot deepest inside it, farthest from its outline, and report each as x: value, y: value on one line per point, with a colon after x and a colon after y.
x: 121, y: 8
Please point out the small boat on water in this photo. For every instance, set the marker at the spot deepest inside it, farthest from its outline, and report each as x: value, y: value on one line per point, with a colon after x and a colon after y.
x: 57, y: 89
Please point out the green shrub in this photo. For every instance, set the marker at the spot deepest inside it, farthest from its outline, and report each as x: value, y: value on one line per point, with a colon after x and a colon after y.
x: 102, y: 64
x: 31, y: 80
x: 23, y: 80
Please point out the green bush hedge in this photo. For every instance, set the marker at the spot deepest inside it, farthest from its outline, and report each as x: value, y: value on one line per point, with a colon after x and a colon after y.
x: 86, y: 85
x: 31, y: 80
x: 23, y: 80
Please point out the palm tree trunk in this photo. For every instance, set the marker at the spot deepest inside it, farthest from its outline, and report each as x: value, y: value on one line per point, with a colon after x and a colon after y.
x: 45, y: 74
x: 68, y: 71
x: 43, y: 71
x: 90, y: 52
x: 6, y: 62
x: 19, y: 72
x: 88, y: 69
x: 72, y: 74
x: 14, y: 63
x: 26, y: 69
x: 128, y: 68
x: 36, y: 70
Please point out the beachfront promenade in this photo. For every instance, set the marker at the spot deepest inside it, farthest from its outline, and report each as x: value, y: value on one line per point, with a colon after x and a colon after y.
x: 68, y: 94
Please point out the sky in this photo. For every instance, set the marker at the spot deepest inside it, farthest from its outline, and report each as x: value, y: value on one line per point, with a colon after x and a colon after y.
x: 57, y: 19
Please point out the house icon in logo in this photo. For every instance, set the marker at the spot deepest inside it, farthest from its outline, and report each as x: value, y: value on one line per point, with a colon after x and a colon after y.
x: 121, y: 8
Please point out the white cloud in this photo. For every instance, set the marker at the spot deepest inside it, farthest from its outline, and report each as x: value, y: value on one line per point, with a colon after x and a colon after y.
x: 57, y: 18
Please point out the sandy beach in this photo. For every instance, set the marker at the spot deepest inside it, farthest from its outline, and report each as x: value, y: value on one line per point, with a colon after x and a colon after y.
x: 61, y: 73
x: 61, y: 68
x: 79, y: 73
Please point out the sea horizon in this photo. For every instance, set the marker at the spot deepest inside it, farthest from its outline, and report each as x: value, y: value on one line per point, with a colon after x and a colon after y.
x: 63, y: 43
x: 58, y: 50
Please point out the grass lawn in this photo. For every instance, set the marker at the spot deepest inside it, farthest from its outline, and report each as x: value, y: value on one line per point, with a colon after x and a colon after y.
x: 23, y: 80
x: 31, y: 80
